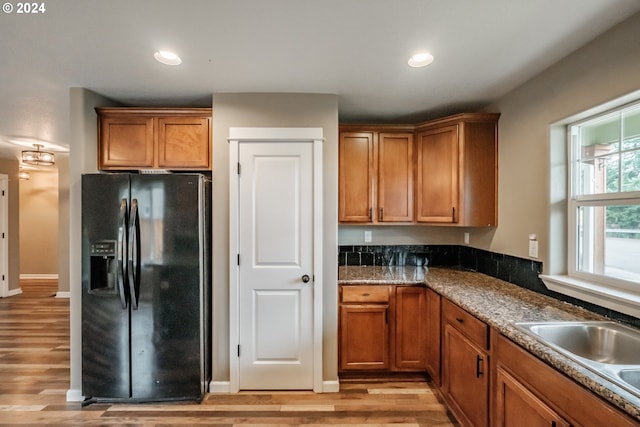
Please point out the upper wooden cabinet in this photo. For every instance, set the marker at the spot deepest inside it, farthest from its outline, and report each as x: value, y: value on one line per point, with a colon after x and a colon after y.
x: 356, y: 172
x: 437, y: 175
x: 141, y: 138
x: 375, y: 174
x: 455, y: 162
x: 457, y: 170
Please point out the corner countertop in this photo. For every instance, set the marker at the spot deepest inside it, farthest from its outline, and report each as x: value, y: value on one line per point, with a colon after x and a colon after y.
x: 500, y: 304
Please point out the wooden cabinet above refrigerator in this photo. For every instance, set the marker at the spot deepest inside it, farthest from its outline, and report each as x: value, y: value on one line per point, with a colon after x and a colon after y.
x: 161, y: 138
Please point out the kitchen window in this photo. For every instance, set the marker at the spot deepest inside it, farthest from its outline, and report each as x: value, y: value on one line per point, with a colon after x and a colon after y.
x: 603, y: 200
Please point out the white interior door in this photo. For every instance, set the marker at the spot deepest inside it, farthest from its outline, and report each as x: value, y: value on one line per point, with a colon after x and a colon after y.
x: 275, y: 235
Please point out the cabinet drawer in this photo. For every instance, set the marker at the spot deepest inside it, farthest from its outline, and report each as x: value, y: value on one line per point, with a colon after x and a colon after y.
x: 378, y: 293
x: 474, y: 329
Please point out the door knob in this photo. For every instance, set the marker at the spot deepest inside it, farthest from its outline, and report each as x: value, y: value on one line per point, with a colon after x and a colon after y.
x: 306, y: 278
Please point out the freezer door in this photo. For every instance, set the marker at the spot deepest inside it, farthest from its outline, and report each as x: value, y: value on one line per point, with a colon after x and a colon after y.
x: 166, y: 337
x: 105, y: 312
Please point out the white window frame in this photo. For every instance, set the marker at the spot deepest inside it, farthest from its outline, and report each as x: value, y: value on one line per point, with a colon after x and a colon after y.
x: 606, y: 291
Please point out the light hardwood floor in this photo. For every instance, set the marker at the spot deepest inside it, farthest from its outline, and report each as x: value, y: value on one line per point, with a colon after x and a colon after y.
x: 34, y: 378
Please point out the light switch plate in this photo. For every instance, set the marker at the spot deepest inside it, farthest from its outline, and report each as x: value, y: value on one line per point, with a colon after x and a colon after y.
x: 367, y: 236
x: 533, y: 248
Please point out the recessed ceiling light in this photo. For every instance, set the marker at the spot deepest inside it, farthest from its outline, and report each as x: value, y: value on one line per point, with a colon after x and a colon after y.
x: 168, y: 58
x: 421, y: 59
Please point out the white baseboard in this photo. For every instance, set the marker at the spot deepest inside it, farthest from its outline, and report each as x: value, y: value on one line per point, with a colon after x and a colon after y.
x: 219, y: 387
x: 225, y: 387
x: 330, y: 386
x: 38, y: 277
x: 74, y: 395
x: 13, y: 292
x: 65, y: 294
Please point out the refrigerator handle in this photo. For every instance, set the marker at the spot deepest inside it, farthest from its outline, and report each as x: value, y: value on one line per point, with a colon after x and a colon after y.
x: 121, y: 253
x: 133, y: 254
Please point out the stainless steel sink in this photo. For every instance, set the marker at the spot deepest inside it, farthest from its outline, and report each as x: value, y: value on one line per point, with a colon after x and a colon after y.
x: 603, y: 342
x: 609, y: 349
x: 631, y: 377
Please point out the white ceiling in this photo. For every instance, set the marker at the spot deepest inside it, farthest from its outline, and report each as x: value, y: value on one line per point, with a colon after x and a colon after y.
x: 357, y: 49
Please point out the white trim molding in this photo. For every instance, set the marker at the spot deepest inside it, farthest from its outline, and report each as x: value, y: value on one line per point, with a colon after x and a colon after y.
x: 4, y: 242
x: 331, y: 386
x: 619, y: 300
x: 219, y: 387
x: 238, y: 135
x: 13, y: 292
x: 74, y: 395
x: 38, y: 277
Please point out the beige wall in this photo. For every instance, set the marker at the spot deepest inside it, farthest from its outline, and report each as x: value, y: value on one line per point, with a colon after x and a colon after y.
x: 603, y: 70
x: 10, y: 168
x: 62, y: 161
x: 39, y: 223
x: 83, y: 158
x: 273, y: 110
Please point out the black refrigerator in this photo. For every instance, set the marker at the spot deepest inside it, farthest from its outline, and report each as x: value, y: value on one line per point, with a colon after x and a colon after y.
x: 146, y: 286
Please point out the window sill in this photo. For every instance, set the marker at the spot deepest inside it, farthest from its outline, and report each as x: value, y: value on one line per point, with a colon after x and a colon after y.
x: 620, y: 300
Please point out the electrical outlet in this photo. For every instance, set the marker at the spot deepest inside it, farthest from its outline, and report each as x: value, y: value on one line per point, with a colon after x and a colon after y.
x: 367, y: 236
x: 466, y: 238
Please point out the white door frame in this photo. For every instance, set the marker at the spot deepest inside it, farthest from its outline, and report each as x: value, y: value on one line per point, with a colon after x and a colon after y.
x: 4, y: 240
x: 293, y: 135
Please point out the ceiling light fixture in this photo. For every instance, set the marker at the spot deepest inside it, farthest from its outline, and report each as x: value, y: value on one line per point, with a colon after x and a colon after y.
x: 168, y: 58
x: 37, y: 157
x: 421, y: 59
x: 24, y: 176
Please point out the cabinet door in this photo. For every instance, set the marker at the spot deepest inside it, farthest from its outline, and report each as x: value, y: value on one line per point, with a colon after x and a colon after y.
x: 575, y: 403
x: 395, y: 177
x: 437, y: 175
x: 364, y: 332
x: 409, y: 341
x: 465, y: 378
x: 479, y: 176
x: 434, y: 310
x: 125, y: 142
x: 517, y: 406
x: 184, y: 143
x: 355, y: 181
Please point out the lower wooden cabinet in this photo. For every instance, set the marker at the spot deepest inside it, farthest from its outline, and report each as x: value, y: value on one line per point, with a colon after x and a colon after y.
x: 364, y: 328
x: 382, y: 328
x: 485, y: 378
x: 528, y: 392
x: 409, y: 334
x: 516, y: 405
x: 364, y: 337
x: 465, y: 359
x: 434, y: 333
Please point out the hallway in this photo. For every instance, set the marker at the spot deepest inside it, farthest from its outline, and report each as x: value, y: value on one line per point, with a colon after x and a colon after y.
x: 34, y: 378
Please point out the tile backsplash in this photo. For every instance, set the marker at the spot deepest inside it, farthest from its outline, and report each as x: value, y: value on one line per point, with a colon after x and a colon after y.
x: 519, y: 271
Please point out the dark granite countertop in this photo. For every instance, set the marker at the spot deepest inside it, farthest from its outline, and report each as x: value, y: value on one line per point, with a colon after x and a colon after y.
x: 500, y: 304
